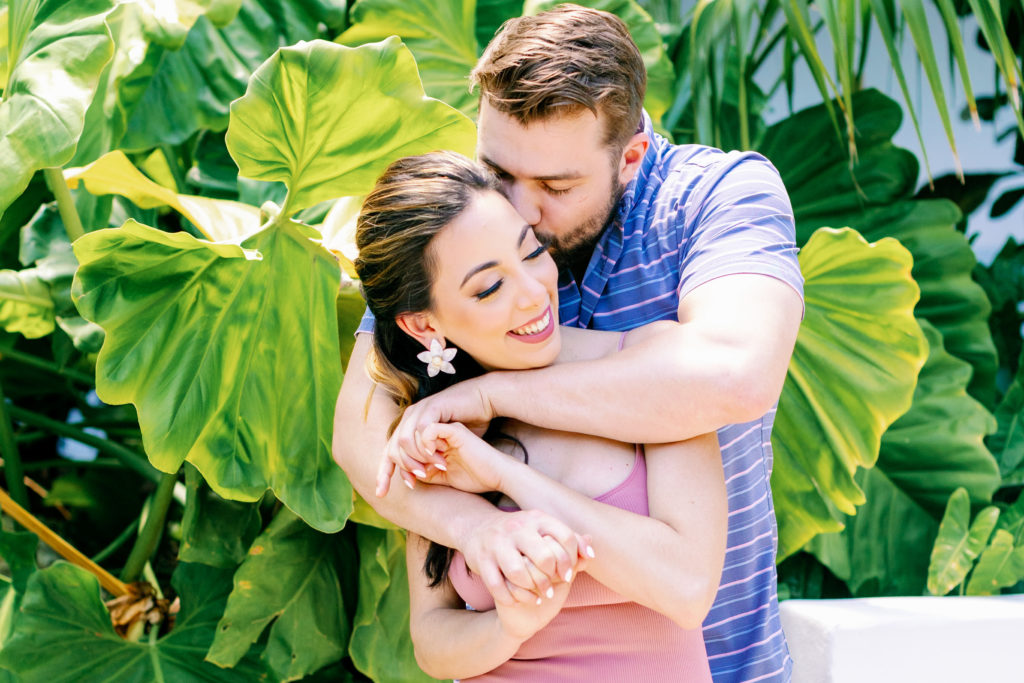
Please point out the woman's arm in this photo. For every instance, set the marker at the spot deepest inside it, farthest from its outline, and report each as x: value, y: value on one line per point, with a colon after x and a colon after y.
x: 670, y: 561
x: 452, y: 642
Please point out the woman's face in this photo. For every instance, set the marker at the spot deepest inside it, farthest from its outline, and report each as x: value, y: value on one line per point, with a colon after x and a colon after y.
x: 495, y: 291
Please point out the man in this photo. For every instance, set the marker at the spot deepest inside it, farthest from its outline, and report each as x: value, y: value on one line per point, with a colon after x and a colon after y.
x: 643, y: 231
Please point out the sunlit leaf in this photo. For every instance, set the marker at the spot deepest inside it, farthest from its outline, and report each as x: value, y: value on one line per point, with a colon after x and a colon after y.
x: 958, y: 544
x: 230, y: 355
x: 64, y: 633
x: 852, y: 374
x: 1001, y: 565
x: 219, y: 220
x: 59, y: 56
x: 25, y: 303
x: 326, y: 119
x: 381, y: 646
x: 440, y: 35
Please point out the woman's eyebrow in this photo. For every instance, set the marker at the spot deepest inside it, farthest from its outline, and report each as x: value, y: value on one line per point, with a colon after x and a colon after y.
x: 476, y: 269
x: 491, y: 264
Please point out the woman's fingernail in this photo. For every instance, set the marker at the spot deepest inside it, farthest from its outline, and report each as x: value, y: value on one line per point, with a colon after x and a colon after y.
x: 539, y: 601
x: 568, y: 576
x: 590, y: 551
x: 550, y: 592
x: 408, y: 483
x: 420, y: 473
x: 441, y: 466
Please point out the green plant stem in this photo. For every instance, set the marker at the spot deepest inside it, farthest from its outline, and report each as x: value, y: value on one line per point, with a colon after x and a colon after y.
x: 130, y: 458
x: 41, y: 364
x: 65, y: 204
x: 116, y: 543
x: 13, y: 472
x: 151, y: 530
x: 64, y: 462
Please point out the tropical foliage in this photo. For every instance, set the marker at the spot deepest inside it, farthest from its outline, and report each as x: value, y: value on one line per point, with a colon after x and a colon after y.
x: 177, y: 307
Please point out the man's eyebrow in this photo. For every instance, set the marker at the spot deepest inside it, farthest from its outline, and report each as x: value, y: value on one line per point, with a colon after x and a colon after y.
x: 567, y: 175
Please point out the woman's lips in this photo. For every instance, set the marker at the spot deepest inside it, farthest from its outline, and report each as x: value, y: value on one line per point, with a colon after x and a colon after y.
x: 537, y: 330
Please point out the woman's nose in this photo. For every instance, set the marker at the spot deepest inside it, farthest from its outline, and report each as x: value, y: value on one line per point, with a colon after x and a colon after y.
x: 532, y: 293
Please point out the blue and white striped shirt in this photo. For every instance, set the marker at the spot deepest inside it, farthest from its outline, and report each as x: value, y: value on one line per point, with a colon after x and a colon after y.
x: 691, y: 215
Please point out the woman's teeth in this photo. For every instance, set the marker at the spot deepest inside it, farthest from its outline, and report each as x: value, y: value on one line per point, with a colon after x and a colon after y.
x: 536, y: 327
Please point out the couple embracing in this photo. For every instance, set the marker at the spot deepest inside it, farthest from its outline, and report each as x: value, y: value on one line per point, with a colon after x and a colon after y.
x: 575, y: 350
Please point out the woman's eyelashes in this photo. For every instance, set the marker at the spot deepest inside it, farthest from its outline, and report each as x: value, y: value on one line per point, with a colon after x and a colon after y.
x: 543, y: 243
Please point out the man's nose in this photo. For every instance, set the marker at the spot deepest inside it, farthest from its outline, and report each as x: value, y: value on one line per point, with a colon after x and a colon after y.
x: 525, y: 201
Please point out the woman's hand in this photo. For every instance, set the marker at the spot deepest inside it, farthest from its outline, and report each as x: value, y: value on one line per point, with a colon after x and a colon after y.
x: 463, y: 402
x: 460, y: 459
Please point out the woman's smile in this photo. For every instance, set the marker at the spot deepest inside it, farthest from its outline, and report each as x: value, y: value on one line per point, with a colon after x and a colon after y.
x: 537, y: 330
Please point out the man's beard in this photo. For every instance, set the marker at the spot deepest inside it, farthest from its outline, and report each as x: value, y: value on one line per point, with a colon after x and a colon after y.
x: 572, y: 251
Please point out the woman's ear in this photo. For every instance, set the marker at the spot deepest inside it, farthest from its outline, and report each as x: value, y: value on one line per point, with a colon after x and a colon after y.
x: 420, y: 327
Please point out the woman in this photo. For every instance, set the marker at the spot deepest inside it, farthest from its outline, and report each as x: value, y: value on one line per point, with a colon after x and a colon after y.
x: 460, y: 285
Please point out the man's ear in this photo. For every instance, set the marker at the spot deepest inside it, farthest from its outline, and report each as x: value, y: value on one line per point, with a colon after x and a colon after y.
x: 632, y: 156
x: 419, y: 326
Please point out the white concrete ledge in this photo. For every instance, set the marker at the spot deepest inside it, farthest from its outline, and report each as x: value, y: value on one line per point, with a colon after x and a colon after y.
x: 877, y: 640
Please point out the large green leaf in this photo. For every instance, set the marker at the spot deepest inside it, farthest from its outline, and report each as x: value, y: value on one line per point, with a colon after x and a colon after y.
x: 215, y: 531
x: 1008, y: 441
x: 18, y: 550
x: 381, y: 646
x: 871, y: 553
x: 214, y: 65
x: 440, y: 35
x: 288, y: 578
x: 25, y: 303
x: 938, y: 445
x: 958, y: 544
x: 660, y: 72
x: 230, y: 354
x: 852, y: 374
x: 64, y: 633
x: 1001, y: 564
x: 876, y: 199
x: 59, y: 55
x: 326, y: 119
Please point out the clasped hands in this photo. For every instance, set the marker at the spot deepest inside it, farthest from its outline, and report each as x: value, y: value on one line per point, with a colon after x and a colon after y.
x: 525, y: 558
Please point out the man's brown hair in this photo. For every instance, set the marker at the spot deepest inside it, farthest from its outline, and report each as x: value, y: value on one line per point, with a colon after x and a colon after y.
x: 562, y: 61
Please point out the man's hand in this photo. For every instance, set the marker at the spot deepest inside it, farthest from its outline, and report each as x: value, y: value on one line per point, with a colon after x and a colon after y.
x: 520, y: 556
x: 465, y: 402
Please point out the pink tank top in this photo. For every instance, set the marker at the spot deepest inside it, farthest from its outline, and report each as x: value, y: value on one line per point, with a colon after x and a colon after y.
x: 599, y: 635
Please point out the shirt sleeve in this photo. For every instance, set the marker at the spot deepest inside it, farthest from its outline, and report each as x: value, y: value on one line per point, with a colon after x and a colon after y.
x: 367, y: 324
x: 739, y: 221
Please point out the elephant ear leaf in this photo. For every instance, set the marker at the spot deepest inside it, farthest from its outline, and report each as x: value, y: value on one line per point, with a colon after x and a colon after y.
x: 853, y: 372
x: 230, y: 353
x: 64, y: 632
x: 327, y: 119
x: 958, y: 544
x: 59, y: 54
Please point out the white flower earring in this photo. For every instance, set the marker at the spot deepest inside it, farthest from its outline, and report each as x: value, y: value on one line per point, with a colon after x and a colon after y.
x: 438, y: 359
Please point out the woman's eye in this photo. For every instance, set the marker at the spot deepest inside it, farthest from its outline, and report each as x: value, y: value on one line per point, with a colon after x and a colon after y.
x: 489, y: 291
x: 541, y: 248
